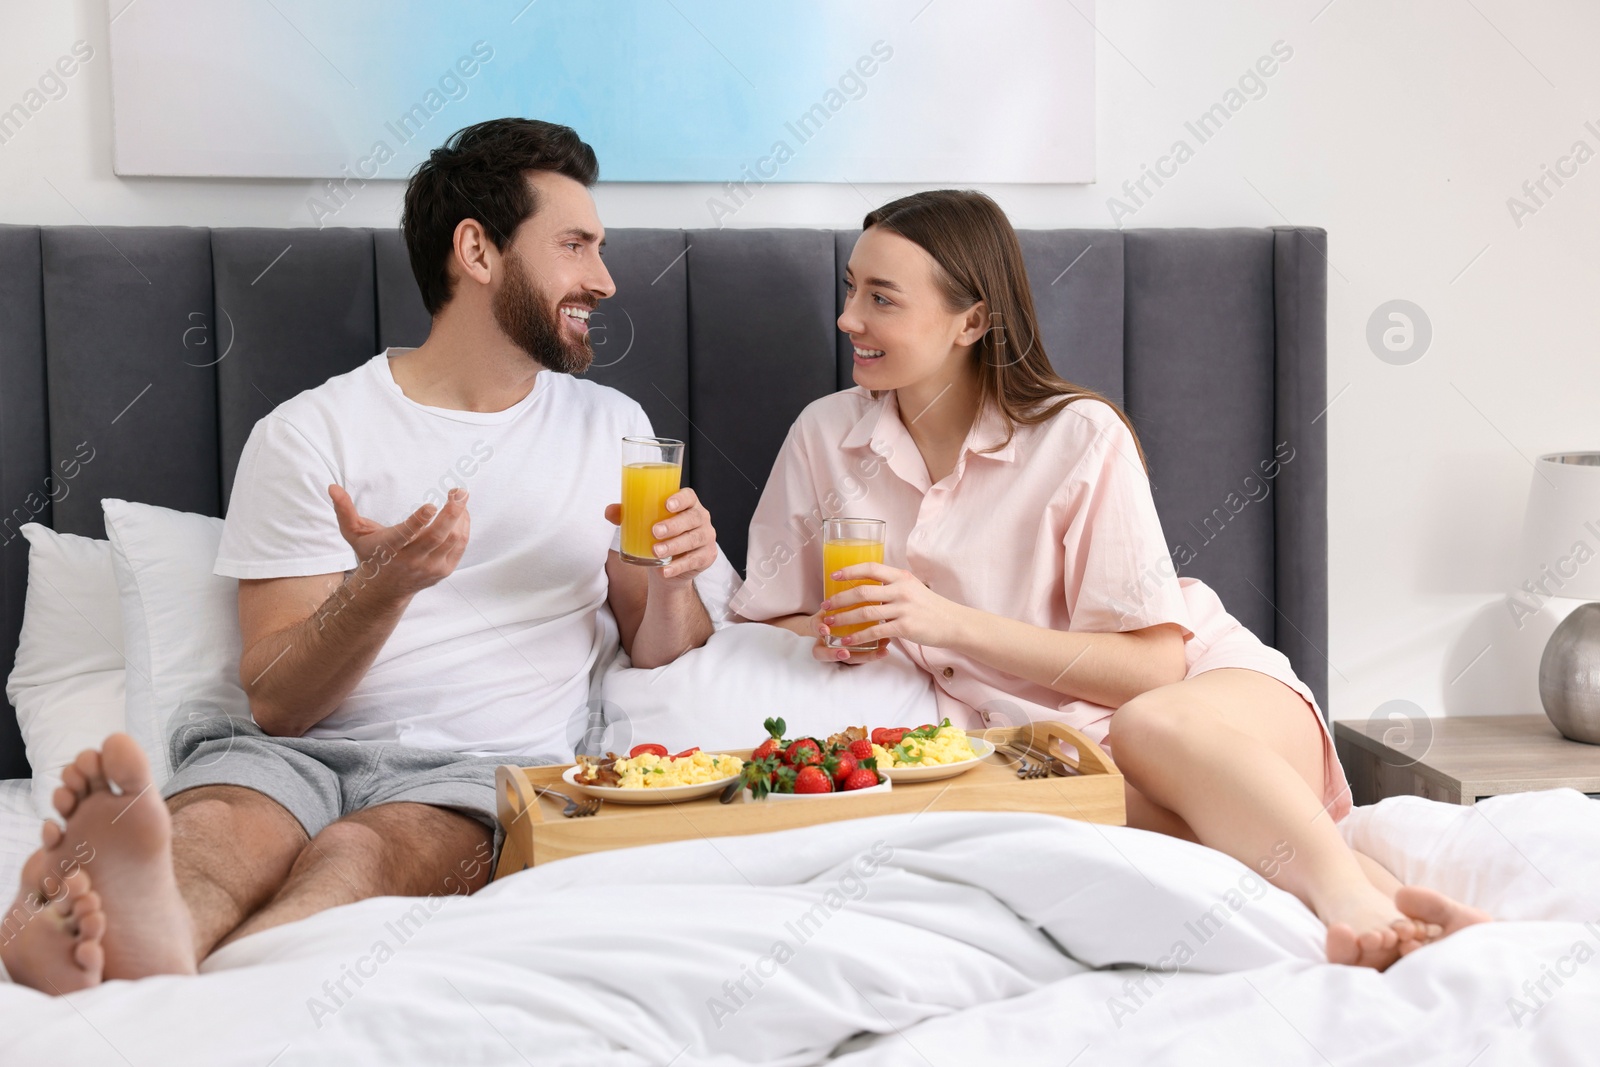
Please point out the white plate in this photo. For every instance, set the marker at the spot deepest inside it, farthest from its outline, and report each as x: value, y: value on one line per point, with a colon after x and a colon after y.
x: 937, y: 771
x: 665, y: 795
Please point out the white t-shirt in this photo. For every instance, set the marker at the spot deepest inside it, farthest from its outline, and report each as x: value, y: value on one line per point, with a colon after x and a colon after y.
x: 494, y: 659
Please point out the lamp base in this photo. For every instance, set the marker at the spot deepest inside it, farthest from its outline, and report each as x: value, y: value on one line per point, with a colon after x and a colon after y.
x: 1569, y: 676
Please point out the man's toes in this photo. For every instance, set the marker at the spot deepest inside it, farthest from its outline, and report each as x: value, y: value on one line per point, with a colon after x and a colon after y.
x: 65, y: 800
x: 88, y: 765
x: 73, y: 779
x: 125, y: 764
x: 76, y: 885
x: 90, y: 918
x: 90, y: 956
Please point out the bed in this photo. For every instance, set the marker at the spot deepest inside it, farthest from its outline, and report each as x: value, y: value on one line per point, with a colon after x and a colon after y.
x: 945, y: 940
x: 940, y: 938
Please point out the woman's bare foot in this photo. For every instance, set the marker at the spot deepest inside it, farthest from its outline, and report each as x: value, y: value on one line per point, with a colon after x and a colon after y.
x: 1366, y: 929
x: 1434, y: 915
x: 129, y: 834
x: 50, y: 939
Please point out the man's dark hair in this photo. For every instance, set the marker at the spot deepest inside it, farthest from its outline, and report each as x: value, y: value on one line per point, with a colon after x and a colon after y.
x: 480, y: 173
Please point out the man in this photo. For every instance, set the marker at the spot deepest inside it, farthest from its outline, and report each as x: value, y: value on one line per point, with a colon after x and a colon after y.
x: 390, y: 667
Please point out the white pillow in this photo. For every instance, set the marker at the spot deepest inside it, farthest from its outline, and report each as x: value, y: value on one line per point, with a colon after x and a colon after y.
x: 718, y: 695
x: 67, y: 684
x: 180, y: 621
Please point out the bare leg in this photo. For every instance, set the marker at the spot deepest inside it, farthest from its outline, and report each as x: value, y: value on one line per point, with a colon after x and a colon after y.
x: 1235, y: 756
x: 232, y: 849
x: 389, y: 850
x: 1146, y: 814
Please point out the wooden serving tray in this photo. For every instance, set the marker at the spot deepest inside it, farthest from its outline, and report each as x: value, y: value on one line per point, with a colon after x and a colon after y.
x: 536, y: 832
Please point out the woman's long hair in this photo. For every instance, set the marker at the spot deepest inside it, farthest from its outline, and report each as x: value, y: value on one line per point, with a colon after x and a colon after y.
x: 972, y: 241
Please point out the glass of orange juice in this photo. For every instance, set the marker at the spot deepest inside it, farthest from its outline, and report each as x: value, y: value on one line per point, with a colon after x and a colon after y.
x: 846, y: 542
x: 652, y: 470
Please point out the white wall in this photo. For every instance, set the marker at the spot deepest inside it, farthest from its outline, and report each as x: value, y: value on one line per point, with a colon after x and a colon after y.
x: 1401, y: 128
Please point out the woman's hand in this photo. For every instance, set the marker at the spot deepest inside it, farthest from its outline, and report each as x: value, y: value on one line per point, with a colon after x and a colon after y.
x: 820, y: 651
x: 900, y: 607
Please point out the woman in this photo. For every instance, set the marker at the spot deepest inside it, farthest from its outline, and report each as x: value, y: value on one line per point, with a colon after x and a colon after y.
x: 1026, y: 569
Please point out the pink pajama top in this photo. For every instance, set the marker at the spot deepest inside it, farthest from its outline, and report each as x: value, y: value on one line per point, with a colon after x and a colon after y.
x: 1056, y: 528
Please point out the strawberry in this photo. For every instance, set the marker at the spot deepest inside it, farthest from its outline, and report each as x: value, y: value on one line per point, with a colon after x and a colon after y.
x: 654, y: 750
x: 812, y: 780
x: 774, y: 744
x: 843, y: 765
x: 768, y: 776
x: 803, y: 753
x: 860, y: 778
x: 861, y: 749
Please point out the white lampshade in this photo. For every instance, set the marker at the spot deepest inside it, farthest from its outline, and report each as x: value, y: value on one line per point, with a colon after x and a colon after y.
x: 1561, y: 531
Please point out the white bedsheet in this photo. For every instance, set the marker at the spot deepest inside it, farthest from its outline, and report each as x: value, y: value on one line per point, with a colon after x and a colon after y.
x: 979, y: 939
x: 19, y: 830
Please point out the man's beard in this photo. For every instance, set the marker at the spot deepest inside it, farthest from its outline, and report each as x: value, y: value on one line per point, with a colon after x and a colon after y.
x: 537, y: 329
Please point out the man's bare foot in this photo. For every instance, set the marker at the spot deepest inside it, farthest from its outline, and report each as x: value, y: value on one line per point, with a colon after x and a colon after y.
x: 1365, y: 929
x: 1434, y: 915
x: 129, y: 834
x: 50, y: 939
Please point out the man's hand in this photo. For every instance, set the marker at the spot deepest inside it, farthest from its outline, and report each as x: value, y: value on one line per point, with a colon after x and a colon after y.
x: 687, y: 537
x: 406, y: 558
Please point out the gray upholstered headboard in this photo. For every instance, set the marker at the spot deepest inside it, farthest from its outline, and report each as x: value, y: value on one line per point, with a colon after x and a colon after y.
x: 161, y: 347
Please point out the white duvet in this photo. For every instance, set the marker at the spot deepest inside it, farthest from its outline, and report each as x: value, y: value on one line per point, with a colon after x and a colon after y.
x: 941, y: 939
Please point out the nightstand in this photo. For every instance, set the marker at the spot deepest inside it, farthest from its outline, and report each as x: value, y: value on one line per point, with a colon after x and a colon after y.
x: 1468, y: 758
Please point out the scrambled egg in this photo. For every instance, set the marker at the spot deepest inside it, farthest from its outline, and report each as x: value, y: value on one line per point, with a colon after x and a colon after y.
x: 649, y: 771
x: 947, y: 745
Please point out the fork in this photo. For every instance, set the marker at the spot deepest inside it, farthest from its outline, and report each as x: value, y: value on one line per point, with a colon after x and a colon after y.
x: 575, y: 809
x: 1052, y: 764
x: 1025, y: 769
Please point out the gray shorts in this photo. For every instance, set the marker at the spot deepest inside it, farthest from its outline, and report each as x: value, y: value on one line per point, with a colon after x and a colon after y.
x: 321, y: 780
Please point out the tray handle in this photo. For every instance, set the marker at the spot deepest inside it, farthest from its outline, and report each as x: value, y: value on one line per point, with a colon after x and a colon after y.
x: 515, y: 796
x: 1058, y: 739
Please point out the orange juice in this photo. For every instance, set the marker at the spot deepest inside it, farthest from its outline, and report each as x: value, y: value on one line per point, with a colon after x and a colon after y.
x: 842, y: 553
x: 645, y: 488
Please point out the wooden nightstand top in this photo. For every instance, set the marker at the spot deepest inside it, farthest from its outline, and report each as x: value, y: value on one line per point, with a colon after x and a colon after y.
x: 1482, y: 755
